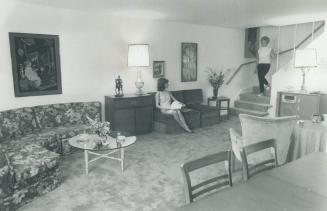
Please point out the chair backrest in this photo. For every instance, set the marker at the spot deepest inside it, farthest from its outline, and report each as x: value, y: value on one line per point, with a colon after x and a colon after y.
x: 255, y: 129
x: 249, y: 171
x: 206, y: 186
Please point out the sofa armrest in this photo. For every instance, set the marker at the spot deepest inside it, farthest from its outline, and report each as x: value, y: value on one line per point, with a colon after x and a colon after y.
x: 6, y: 176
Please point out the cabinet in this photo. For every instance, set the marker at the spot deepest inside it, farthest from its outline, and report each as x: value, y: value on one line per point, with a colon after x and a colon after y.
x: 294, y: 103
x: 131, y: 113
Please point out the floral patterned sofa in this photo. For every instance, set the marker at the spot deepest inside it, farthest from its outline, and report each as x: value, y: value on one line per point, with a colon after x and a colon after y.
x: 31, y: 142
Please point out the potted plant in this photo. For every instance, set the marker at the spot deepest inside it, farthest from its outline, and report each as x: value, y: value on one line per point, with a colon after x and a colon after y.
x: 216, y: 80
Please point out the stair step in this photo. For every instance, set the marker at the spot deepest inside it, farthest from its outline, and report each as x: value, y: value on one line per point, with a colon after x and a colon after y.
x: 255, y: 98
x: 250, y: 112
x: 256, y: 90
x: 251, y: 105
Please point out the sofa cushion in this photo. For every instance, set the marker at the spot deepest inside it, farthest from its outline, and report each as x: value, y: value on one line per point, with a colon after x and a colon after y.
x: 205, y: 109
x: 193, y: 96
x: 53, y: 139
x: 209, y: 114
x: 178, y: 95
x: 67, y: 114
x: 16, y: 123
x: 56, y: 139
x: 28, y: 160
x: 192, y: 117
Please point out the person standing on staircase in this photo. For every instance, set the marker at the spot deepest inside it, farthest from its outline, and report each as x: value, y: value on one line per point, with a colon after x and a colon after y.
x: 265, y: 54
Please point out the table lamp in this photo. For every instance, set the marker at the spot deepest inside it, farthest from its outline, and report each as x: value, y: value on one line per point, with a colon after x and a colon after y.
x: 305, y: 59
x: 138, y: 56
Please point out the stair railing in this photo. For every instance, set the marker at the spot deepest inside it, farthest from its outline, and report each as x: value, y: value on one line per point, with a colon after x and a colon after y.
x: 280, y: 53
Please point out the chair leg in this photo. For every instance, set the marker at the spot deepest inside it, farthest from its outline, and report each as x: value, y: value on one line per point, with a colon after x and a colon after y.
x: 233, y: 162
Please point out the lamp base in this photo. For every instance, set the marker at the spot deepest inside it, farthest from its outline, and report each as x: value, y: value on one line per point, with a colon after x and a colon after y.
x: 139, y: 85
x: 303, y: 89
x: 139, y: 92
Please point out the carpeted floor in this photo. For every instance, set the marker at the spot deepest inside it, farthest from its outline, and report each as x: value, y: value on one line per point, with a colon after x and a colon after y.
x: 152, y: 178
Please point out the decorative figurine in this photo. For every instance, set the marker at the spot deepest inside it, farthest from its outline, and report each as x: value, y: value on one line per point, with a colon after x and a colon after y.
x: 119, y: 87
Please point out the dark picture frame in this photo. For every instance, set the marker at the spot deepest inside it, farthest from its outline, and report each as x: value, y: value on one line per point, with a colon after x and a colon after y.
x: 252, y: 36
x: 189, y: 62
x: 159, y: 68
x: 35, y: 64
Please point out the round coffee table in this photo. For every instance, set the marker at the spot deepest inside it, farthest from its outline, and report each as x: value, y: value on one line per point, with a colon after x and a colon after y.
x: 93, y: 144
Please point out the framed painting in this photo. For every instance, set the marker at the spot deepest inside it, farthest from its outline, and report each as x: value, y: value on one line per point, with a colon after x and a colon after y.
x: 189, y: 62
x: 252, y: 36
x: 35, y: 64
x: 158, y: 69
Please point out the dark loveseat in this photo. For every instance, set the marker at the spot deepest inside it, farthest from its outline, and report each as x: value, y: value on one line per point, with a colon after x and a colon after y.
x: 31, y: 141
x: 196, y: 114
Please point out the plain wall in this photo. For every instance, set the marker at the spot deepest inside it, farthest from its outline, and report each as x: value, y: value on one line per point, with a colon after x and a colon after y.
x: 93, y: 52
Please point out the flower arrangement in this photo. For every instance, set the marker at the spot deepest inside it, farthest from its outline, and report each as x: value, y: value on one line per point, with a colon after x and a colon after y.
x: 215, y: 79
x: 102, y: 129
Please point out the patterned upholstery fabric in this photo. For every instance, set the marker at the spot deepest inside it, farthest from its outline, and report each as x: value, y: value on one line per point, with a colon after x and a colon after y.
x: 32, y: 139
x: 5, y: 180
x: 16, y: 123
x: 66, y: 114
x: 29, y: 160
x: 5, y: 177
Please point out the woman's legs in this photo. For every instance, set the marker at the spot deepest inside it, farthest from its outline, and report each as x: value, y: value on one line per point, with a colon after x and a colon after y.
x: 181, y: 121
x: 263, y: 69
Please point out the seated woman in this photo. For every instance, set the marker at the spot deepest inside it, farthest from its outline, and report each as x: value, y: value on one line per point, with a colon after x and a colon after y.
x: 164, y: 103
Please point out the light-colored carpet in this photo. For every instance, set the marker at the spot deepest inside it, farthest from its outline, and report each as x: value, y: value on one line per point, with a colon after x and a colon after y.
x: 152, y: 178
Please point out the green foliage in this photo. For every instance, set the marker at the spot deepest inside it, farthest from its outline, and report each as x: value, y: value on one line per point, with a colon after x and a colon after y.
x: 215, y: 79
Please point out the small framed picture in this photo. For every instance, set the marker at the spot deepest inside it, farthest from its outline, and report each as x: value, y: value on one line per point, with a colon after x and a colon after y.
x: 158, y: 69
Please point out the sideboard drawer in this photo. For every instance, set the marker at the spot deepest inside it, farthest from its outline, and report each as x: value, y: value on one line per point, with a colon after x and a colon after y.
x: 133, y: 102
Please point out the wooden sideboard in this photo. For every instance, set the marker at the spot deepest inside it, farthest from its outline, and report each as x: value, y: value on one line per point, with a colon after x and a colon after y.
x: 297, y: 103
x: 131, y: 113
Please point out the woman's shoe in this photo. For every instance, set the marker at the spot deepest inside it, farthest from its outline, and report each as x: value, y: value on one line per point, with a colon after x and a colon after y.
x: 267, y: 87
x: 261, y: 94
x: 189, y: 131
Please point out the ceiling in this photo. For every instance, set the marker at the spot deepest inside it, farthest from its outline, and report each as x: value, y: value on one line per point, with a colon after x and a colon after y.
x: 228, y: 13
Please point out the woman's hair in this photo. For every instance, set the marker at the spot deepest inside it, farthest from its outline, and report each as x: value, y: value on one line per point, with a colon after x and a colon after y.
x: 267, y: 39
x: 161, y: 84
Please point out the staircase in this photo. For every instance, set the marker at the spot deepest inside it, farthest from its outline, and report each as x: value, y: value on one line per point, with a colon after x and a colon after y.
x: 251, y: 103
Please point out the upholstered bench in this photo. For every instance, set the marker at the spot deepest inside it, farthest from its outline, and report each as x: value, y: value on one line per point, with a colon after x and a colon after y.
x: 196, y: 114
x: 31, y: 141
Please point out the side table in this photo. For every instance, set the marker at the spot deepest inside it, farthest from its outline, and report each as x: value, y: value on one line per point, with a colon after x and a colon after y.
x: 219, y: 105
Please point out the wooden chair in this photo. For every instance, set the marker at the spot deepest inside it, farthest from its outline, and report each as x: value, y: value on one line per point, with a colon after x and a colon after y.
x: 249, y: 171
x: 218, y: 182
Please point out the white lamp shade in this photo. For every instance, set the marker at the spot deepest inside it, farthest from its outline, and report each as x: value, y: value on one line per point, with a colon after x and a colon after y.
x: 138, y: 55
x: 305, y: 58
